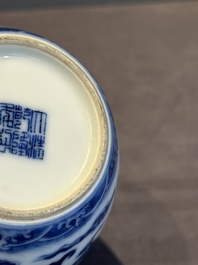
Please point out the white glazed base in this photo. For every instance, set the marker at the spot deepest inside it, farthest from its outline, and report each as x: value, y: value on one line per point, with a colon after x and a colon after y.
x: 32, y: 256
x: 61, y: 234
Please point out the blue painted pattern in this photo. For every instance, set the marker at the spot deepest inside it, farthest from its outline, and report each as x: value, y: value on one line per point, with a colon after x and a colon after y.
x: 12, y: 240
x: 4, y: 262
x: 22, y: 131
x: 65, y: 238
x: 16, y: 240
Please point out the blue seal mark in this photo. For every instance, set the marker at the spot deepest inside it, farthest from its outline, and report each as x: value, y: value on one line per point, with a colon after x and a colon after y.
x: 22, y: 131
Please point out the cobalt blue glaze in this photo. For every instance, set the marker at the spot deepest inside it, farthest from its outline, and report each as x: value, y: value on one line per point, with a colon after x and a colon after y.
x: 67, y: 236
x: 14, y: 139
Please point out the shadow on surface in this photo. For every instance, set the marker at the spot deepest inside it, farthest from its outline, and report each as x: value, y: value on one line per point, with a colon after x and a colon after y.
x: 100, y: 254
x: 24, y: 4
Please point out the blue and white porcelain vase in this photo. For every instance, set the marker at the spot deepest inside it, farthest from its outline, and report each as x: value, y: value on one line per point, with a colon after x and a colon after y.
x: 60, y: 233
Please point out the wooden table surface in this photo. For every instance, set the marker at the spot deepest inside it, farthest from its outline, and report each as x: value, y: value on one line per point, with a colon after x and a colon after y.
x: 145, y: 58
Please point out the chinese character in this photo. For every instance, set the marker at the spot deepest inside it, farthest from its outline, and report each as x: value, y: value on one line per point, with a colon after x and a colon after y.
x: 22, y: 131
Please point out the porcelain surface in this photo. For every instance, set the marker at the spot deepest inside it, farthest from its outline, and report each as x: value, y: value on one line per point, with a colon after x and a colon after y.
x: 66, y: 235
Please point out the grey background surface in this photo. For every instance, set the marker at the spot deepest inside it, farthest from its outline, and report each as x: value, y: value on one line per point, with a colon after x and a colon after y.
x: 24, y: 4
x: 145, y: 58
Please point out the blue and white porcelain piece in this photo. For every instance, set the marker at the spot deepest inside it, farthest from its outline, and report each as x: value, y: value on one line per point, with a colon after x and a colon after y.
x: 66, y: 236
